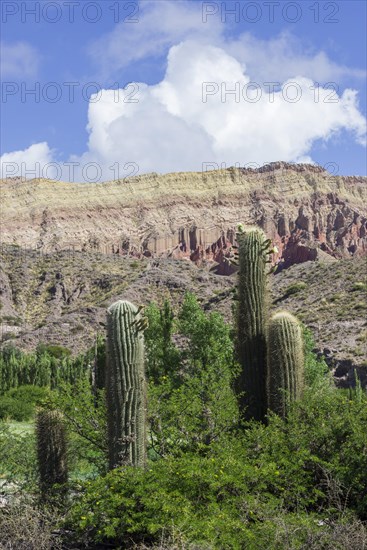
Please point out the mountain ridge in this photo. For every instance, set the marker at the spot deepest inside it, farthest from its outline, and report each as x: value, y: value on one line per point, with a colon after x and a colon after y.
x: 192, y: 214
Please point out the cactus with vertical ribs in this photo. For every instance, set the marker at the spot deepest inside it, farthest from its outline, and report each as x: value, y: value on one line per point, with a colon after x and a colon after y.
x: 51, y: 451
x: 285, y: 378
x: 125, y: 385
x: 253, y: 254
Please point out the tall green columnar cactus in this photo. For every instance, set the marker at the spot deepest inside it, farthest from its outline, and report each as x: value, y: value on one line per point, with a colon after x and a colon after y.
x: 51, y: 451
x: 125, y: 385
x: 253, y: 251
x: 285, y: 362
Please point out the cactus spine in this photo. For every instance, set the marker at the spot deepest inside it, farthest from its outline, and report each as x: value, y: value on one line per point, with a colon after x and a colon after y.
x: 285, y: 362
x: 125, y: 385
x: 253, y: 250
x: 51, y: 450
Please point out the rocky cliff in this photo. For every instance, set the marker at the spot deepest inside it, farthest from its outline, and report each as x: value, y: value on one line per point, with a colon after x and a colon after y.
x: 305, y: 210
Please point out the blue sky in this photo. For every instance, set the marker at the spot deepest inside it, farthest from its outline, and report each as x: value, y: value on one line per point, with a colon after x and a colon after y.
x: 298, y: 71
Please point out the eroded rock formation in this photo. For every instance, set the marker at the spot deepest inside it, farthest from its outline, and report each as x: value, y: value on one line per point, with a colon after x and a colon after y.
x: 305, y: 210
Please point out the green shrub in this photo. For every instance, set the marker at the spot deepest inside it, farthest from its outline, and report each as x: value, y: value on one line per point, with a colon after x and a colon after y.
x: 54, y: 350
x: 85, y: 415
x: 359, y: 286
x: 205, y: 499
x: 162, y: 357
x: 300, y: 473
x: 316, y: 370
x: 19, y: 403
x: 191, y: 401
x: 18, y: 460
x: 34, y: 395
x: 11, y: 320
x: 14, y: 409
x: 336, y: 297
x: 295, y: 288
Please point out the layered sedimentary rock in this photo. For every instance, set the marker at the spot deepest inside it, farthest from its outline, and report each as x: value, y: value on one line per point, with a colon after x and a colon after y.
x: 305, y: 210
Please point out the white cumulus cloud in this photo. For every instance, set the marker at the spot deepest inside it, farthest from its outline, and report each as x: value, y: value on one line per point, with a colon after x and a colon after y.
x: 204, y: 111
x: 191, y: 117
x: 29, y: 163
x: 206, y: 108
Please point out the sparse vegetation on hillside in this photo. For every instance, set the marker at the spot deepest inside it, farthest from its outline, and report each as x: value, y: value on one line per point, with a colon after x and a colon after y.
x: 329, y: 298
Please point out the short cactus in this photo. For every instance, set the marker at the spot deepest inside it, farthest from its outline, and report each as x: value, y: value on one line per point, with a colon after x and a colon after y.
x: 251, y: 321
x: 125, y: 385
x: 51, y: 451
x: 285, y: 362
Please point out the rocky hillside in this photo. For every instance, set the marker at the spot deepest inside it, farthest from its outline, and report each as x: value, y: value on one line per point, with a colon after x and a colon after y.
x: 305, y: 210
x: 61, y: 298
x: 70, y: 250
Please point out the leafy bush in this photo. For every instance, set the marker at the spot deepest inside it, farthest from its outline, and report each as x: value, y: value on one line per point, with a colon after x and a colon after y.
x: 18, y: 461
x: 303, y: 471
x: 162, y: 358
x: 203, y: 498
x: 34, y: 395
x: 19, y: 403
x: 54, y: 350
x: 191, y: 402
x: 295, y: 288
x: 84, y: 414
x: 316, y: 369
x: 14, y: 409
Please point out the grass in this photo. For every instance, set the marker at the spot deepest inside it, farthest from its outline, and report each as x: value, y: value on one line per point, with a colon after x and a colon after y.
x: 21, y: 428
x: 359, y: 286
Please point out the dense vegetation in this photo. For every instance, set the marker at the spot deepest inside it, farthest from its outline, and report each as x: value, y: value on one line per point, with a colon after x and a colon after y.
x: 26, y: 377
x: 210, y: 479
x: 174, y: 459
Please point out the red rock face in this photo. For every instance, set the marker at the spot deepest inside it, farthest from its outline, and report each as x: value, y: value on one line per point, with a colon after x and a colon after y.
x: 303, y: 209
x: 325, y: 227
